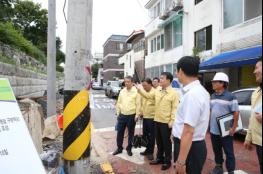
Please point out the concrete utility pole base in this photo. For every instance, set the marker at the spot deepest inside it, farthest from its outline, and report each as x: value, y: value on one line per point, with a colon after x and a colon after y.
x: 78, y: 167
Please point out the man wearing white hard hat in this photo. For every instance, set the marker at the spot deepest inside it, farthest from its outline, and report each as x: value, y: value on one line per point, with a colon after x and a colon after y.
x: 223, y: 102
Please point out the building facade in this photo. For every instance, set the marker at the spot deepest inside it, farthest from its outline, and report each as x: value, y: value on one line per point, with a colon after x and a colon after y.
x: 114, y: 48
x: 205, y: 28
x: 134, y: 60
x: 164, y: 35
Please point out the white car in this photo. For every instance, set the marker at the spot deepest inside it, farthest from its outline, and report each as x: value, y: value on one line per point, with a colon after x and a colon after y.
x: 96, y: 86
x: 244, y: 100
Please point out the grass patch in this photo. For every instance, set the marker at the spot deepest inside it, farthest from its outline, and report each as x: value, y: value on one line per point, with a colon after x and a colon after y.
x: 7, y: 60
x: 10, y: 36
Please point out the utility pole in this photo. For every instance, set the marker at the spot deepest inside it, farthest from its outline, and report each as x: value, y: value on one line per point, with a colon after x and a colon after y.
x: 77, y: 126
x: 51, y: 60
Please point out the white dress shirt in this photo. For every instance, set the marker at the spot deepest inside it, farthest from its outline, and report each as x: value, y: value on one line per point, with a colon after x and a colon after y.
x: 194, y: 110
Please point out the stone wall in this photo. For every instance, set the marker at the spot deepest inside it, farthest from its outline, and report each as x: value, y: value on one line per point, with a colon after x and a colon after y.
x: 25, y: 83
x: 21, y: 58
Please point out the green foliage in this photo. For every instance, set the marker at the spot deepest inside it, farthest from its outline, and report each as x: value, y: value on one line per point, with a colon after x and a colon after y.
x: 196, y: 52
x: 9, y: 35
x: 7, y: 60
x: 32, y: 21
x: 60, y: 55
x: 6, y: 10
x: 95, y: 70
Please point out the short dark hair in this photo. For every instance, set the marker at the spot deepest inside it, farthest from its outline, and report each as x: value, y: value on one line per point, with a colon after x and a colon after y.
x: 129, y: 78
x: 168, y: 76
x: 148, y: 80
x: 156, y: 78
x: 189, y: 65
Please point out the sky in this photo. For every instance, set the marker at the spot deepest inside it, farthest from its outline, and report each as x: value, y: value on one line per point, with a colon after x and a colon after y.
x: 109, y: 17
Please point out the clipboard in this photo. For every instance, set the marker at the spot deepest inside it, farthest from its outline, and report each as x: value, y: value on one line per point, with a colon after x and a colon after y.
x: 225, y: 123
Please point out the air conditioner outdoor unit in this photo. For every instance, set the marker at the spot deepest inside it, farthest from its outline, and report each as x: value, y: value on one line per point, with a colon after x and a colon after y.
x: 177, y: 5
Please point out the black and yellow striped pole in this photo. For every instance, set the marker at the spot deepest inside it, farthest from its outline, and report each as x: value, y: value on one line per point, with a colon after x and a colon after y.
x: 77, y: 125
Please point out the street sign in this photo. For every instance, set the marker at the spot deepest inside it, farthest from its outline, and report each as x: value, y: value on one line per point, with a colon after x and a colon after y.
x: 17, y: 151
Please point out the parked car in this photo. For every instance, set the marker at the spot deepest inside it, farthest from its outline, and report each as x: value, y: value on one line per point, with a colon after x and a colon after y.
x: 113, y: 89
x: 244, y: 101
x: 96, y: 86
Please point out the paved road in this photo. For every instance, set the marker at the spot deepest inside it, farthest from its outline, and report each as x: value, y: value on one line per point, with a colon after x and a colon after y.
x: 102, y: 110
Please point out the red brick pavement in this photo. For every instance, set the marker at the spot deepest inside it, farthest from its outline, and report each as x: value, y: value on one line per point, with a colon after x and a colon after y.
x: 246, y: 160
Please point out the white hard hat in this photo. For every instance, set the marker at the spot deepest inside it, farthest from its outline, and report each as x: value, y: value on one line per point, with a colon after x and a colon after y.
x: 221, y: 77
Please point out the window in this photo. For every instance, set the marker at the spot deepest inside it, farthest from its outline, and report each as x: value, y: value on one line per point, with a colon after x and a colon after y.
x: 233, y: 16
x: 154, y: 44
x: 174, y: 34
x: 203, y: 39
x: 162, y: 41
x: 151, y: 46
x: 161, y: 69
x: 158, y: 43
x: 169, y: 68
x: 178, y: 32
x: 120, y: 46
x: 129, y: 46
x: 168, y: 30
x: 244, y: 10
x: 156, y: 72
x: 253, y: 9
x: 244, y: 98
x: 198, y: 1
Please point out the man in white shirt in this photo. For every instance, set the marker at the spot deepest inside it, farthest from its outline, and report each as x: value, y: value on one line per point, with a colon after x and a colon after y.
x: 192, y: 120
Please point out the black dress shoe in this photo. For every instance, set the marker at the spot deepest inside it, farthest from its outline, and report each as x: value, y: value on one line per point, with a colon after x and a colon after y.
x: 166, y: 167
x: 117, y: 152
x: 150, y: 157
x: 129, y: 152
x: 157, y: 162
x: 144, y: 153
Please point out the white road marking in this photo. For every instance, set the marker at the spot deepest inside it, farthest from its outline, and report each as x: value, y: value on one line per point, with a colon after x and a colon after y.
x: 110, y: 129
x: 98, y: 106
x: 238, y: 172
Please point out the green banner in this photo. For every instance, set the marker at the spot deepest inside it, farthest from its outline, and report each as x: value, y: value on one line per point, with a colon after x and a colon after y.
x: 6, y: 92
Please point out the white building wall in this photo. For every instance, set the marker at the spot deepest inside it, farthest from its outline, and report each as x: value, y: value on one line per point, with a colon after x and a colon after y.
x: 129, y: 63
x: 197, y: 17
x: 206, y: 13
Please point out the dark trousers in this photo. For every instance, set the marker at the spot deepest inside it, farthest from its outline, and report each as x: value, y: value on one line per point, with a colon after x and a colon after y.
x: 227, y: 144
x: 196, y: 157
x: 164, y: 143
x: 123, y: 122
x: 149, y: 133
x: 259, y: 152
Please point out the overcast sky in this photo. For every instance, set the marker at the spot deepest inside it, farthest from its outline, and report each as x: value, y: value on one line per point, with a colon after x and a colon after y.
x: 109, y: 17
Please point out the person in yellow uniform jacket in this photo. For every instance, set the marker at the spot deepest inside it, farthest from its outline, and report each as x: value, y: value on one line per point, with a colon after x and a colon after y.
x: 128, y: 107
x: 166, y: 103
x: 148, y: 113
x: 254, y: 134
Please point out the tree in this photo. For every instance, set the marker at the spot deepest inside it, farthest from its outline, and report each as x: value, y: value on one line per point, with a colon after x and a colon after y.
x: 32, y: 20
x: 60, y: 55
x: 95, y: 70
x: 6, y: 10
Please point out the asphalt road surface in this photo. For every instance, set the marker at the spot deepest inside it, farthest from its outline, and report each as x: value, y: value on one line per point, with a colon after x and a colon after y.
x: 103, y: 110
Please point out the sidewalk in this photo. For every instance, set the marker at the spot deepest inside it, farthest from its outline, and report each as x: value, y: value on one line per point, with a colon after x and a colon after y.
x: 104, y: 144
